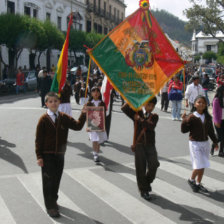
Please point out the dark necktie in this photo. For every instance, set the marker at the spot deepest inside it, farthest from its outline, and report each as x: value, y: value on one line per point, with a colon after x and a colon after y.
x: 56, y: 118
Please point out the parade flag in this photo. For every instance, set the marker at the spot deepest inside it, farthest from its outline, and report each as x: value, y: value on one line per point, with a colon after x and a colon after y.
x: 61, y: 69
x: 137, y: 57
x: 106, y: 90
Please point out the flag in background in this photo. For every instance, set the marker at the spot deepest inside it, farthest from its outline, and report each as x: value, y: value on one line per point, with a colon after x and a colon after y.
x: 106, y: 90
x: 61, y: 69
x: 137, y: 57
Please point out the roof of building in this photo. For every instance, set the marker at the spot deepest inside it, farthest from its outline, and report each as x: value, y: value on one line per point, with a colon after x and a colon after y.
x: 202, y: 35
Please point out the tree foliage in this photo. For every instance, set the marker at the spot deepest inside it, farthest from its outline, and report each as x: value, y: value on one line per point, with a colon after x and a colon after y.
x: 207, y: 17
x: 220, y: 54
x: 209, y: 55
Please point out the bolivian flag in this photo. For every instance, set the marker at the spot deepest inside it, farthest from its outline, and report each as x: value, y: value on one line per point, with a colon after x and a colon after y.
x: 137, y: 57
x: 61, y: 70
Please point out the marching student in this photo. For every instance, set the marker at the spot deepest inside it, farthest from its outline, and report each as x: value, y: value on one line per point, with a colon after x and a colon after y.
x: 199, y: 124
x: 51, y: 140
x: 146, y: 160
x: 65, y: 104
x: 96, y: 137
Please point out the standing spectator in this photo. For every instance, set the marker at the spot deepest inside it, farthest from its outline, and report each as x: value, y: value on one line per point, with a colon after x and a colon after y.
x: 45, y: 85
x: 218, y: 118
x: 220, y: 80
x: 192, y: 91
x: 5, y: 72
x: 175, y: 95
x: 82, y: 93
x: 205, y: 85
x: 78, y: 73
x: 77, y: 87
x: 164, y: 97
x: 20, y: 79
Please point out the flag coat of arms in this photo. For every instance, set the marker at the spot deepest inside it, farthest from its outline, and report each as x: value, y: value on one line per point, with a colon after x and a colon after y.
x: 137, y: 57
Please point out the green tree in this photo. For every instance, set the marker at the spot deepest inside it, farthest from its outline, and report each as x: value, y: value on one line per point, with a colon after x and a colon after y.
x: 197, y: 58
x: 207, y: 17
x: 76, y: 41
x: 55, y: 40
x: 209, y: 55
x: 92, y: 39
x: 13, y: 29
x: 220, y: 58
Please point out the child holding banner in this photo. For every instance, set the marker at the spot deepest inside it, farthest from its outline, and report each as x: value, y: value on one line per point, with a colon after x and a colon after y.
x: 96, y: 137
x: 146, y: 161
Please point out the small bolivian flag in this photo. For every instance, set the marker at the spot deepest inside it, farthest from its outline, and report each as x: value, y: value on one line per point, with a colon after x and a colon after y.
x: 61, y: 69
x: 137, y: 57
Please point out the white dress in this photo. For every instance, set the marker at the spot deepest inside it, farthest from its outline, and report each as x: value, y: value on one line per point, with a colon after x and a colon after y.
x: 97, y: 136
x: 199, y: 151
x: 66, y: 108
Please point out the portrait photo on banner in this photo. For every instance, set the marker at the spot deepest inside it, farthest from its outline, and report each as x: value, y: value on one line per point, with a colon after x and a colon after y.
x: 95, y: 119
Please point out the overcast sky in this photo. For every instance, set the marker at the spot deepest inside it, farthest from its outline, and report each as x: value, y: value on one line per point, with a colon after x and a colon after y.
x: 175, y: 7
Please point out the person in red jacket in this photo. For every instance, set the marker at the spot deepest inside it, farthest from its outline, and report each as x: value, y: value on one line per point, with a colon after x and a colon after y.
x: 175, y: 95
x: 20, y: 81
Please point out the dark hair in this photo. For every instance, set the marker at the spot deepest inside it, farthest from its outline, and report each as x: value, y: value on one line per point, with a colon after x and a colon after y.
x: 92, y: 90
x: 51, y: 94
x: 195, y: 77
x: 219, y: 94
x: 207, y: 115
x: 153, y: 100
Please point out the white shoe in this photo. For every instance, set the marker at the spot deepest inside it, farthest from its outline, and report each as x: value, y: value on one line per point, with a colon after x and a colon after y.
x: 96, y: 159
x: 174, y: 119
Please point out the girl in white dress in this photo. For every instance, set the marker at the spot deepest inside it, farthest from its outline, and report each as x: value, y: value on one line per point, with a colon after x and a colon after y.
x: 96, y: 137
x: 199, y: 124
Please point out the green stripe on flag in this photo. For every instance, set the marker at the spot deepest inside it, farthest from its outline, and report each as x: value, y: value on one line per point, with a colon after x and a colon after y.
x: 55, y: 84
x: 113, y: 63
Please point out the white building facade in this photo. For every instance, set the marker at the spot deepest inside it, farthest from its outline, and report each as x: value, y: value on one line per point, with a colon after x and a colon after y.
x: 202, y: 43
x: 57, y: 11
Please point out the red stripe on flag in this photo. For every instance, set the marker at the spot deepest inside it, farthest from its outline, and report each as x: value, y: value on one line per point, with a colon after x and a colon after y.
x: 65, y: 56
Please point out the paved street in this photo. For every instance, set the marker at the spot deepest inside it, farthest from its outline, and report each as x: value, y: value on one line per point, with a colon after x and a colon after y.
x: 107, y: 193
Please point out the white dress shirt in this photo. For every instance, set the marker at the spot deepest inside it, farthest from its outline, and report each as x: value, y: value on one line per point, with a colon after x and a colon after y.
x: 193, y: 91
x: 52, y: 114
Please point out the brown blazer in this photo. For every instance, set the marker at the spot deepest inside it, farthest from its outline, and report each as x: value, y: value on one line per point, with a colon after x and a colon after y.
x: 51, y: 138
x: 148, y: 123
x: 198, y: 131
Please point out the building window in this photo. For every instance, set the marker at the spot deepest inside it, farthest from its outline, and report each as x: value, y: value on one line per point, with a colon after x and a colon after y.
x: 10, y: 7
x: 209, y: 47
x: 99, y: 29
x: 27, y: 11
x: 88, y: 26
x: 48, y: 16
x: 95, y: 27
x: 115, y: 13
x: 105, y: 30
x: 105, y: 8
x: 59, y: 22
x: 110, y: 11
x: 35, y: 13
x: 122, y: 16
x: 118, y: 14
x: 94, y: 5
x: 99, y: 4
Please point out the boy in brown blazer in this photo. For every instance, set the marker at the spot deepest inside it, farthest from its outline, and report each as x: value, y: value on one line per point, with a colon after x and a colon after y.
x: 146, y: 160
x: 51, y: 140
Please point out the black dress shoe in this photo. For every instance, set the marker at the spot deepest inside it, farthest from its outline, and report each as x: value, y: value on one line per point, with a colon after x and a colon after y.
x: 221, y: 154
x: 53, y: 213
x: 146, y: 196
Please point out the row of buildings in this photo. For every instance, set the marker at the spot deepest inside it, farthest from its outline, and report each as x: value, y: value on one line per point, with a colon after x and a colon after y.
x: 100, y: 16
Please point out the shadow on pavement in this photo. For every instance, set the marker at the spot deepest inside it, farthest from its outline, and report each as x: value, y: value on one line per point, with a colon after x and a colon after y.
x: 69, y: 216
x: 21, y: 96
x: 119, y: 147
x: 9, y: 156
x: 185, y: 212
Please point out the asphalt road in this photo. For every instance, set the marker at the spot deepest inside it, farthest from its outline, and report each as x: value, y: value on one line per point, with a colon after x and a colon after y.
x: 106, y: 193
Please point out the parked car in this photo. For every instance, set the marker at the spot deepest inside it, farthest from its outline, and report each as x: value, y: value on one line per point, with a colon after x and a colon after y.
x: 31, y: 80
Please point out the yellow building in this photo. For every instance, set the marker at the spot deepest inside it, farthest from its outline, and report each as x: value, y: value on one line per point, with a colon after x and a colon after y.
x: 103, y: 15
